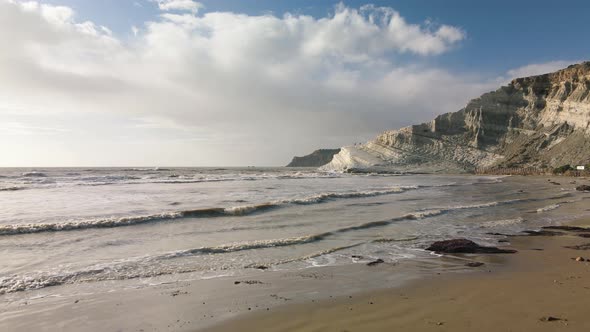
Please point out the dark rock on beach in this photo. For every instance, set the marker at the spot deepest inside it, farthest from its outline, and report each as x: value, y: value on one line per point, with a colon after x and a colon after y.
x: 543, y: 233
x: 465, y: 246
x: 585, y: 246
x: 474, y: 264
x: 568, y: 228
x: 550, y: 319
x: 376, y: 262
x: 583, y: 188
x: 249, y: 282
x: 260, y: 267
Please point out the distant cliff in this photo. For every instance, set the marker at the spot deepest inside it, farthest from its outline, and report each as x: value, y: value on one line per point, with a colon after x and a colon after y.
x: 315, y: 159
x: 540, y: 121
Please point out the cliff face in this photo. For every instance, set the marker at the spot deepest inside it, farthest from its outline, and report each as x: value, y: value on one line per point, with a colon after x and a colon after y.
x: 315, y: 159
x: 539, y: 121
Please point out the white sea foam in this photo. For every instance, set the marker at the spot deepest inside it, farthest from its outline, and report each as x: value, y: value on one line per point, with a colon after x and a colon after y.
x: 138, y: 267
x: 548, y: 208
x: 502, y: 222
x: 33, y: 175
x: 110, y: 222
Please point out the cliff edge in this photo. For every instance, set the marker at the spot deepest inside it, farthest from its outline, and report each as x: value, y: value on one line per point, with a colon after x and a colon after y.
x: 315, y: 159
x: 540, y: 121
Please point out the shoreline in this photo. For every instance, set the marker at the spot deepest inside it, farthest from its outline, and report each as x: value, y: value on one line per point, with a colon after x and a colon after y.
x: 245, y: 299
x: 540, y: 288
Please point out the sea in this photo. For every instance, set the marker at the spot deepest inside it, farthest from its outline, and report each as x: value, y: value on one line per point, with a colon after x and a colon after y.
x: 62, y: 227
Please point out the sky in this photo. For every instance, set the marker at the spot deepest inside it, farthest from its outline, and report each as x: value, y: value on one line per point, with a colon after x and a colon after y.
x: 254, y: 83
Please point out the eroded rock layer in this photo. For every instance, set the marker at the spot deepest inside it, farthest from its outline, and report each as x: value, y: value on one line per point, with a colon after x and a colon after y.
x: 540, y: 121
x: 315, y: 159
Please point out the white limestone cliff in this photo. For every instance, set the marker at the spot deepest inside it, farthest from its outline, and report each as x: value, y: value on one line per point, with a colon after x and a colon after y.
x: 539, y: 121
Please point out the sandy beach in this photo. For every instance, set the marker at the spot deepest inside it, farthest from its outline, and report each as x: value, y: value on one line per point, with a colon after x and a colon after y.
x: 540, y: 288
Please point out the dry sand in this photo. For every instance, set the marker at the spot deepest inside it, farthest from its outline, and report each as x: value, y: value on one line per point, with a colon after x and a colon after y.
x: 540, y: 281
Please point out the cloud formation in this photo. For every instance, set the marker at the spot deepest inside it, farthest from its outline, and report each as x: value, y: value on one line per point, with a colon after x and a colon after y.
x: 217, y: 88
x: 180, y: 5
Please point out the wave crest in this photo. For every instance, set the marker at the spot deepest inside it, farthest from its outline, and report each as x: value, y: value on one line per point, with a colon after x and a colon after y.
x: 198, y: 213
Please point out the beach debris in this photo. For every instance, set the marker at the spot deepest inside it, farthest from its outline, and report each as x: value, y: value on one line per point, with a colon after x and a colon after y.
x: 583, y: 188
x: 437, y: 323
x: 177, y: 292
x: 465, y: 246
x: 550, y: 319
x: 249, y: 282
x: 585, y: 246
x: 375, y: 262
x: 498, y: 234
x: 568, y: 228
x: 474, y: 264
x: 260, y: 267
x: 277, y: 297
x: 555, y: 183
x: 357, y: 256
x: 543, y: 233
x: 580, y: 259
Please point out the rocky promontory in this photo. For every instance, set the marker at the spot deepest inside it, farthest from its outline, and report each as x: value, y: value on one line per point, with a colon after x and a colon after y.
x: 539, y: 122
x: 315, y: 159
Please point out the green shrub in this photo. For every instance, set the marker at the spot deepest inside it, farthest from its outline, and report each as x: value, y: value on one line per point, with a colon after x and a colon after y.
x: 562, y: 169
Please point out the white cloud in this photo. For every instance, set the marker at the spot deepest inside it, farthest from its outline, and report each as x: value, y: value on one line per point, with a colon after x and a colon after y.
x: 538, y: 68
x: 218, y: 88
x: 179, y: 5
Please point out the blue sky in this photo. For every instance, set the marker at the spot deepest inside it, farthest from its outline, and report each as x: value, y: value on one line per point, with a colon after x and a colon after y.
x: 231, y: 83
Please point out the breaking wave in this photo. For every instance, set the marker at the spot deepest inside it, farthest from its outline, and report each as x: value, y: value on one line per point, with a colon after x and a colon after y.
x: 387, y: 240
x: 136, y: 267
x: 548, y: 208
x: 13, y: 188
x: 34, y: 175
x: 198, y: 213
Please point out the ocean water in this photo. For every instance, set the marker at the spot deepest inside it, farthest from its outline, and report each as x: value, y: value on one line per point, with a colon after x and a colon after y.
x: 70, y: 226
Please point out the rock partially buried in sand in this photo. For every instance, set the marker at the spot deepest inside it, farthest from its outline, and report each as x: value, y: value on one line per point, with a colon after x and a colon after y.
x: 550, y: 319
x: 373, y: 263
x: 543, y: 233
x: 465, y: 246
x: 568, y: 228
x: 585, y: 246
x: 580, y: 259
x: 583, y: 188
x: 474, y: 264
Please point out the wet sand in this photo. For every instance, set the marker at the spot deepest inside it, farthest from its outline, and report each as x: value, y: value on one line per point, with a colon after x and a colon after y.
x: 541, y: 288
x: 173, y: 303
